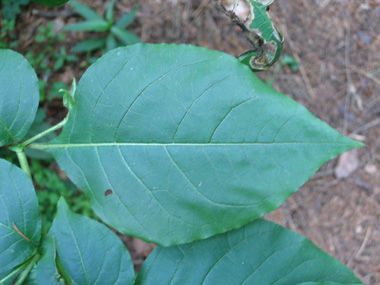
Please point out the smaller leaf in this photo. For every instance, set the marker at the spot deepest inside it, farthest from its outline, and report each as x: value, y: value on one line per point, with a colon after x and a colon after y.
x: 111, y: 42
x: 50, y: 3
x: 68, y: 96
x: 89, y: 252
x: 109, y: 12
x: 93, y: 25
x: 85, y: 11
x: 89, y: 45
x: 125, y: 36
x: 46, y: 271
x: 258, y: 253
x: 126, y: 19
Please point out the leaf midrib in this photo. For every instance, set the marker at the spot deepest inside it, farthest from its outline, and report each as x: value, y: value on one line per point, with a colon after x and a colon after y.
x: 79, y: 145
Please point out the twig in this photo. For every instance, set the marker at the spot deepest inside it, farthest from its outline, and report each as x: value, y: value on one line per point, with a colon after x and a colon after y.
x: 348, y: 79
x: 366, y: 126
x: 368, y: 75
x: 254, y: 39
x: 19, y: 232
x: 358, y: 252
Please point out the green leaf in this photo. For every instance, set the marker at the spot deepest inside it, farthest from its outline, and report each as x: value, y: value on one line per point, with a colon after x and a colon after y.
x: 325, y: 283
x: 89, y: 45
x: 46, y: 271
x: 93, y: 25
x: 259, y: 253
x: 273, y: 40
x: 111, y: 42
x: 90, y: 252
x: 126, y: 19
x: 125, y: 36
x: 85, y: 11
x: 19, y: 96
x: 20, y: 222
x: 50, y: 3
x: 109, y: 12
x: 175, y: 143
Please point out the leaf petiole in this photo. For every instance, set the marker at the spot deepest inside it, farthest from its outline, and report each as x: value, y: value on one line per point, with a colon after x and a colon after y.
x: 23, y: 162
x: 44, y: 133
x: 25, y: 273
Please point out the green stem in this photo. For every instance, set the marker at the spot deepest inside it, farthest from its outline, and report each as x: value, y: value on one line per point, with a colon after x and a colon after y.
x: 25, y: 273
x: 13, y: 273
x: 44, y: 133
x: 23, y: 162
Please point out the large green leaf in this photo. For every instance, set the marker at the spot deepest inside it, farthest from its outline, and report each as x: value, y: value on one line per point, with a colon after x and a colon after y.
x: 175, y: 143
x: 90, y: 252
x: 20, y: 222
x: 259, y: 253
x: 50, y: 3
x: 19, y: 96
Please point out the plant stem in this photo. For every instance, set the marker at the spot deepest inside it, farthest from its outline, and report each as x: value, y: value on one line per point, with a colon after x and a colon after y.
x: 44, y: 133
x: 13, y: 273
x: 25, y: 273
x: 23, y: 162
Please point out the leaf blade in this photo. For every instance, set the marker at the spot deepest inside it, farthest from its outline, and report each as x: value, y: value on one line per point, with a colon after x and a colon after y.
x: 126, y: 19
x: 50, y: 3
x: 92, y: 256
x: 259, y: 253
x: 89, y: 45
x: 199, y: 170
x: 19, y: 96
x: 125, y: 36
x: 20, y: 222
x: 93, y: 25
x: 85, y: 11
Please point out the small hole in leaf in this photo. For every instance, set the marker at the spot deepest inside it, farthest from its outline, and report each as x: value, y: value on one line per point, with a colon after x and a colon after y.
x: 108, y: 192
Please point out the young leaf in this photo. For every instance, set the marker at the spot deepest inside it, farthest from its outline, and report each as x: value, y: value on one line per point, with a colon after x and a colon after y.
x: 258, y: 253
x: 109, y: 12
x: 126, y: 19
x: 111, y: 42
x: 20, y: 222
x: 93, y: 25
x: 175, y: 143
x: 85, y: 11
x: 19, y: 96
x: 90, y: 252
x: 125, y: 36
x: 89, y: 45
x: 50, y: 3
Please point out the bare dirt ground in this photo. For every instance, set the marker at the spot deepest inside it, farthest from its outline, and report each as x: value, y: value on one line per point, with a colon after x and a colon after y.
x: 337, y: 46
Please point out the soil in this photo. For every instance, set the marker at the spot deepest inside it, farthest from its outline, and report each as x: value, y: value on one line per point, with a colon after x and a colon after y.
x: 336, y: 44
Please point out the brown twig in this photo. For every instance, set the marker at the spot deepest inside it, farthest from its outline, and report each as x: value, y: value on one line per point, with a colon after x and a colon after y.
x: 19, y: 232
x: 22, y: 235
x: 253, y: 38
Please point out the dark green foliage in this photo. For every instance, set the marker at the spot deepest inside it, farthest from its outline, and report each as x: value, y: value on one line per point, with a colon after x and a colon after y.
x: 11, y: 8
